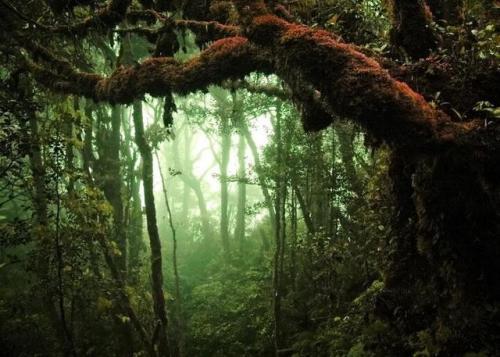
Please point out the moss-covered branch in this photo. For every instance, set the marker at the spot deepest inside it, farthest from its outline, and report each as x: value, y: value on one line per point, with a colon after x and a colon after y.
x: 349, y: 83
x: 354, y: 85
x: 233, y: 57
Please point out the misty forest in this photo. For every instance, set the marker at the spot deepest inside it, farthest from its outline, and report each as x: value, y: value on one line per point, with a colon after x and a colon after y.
x: 249, y: 178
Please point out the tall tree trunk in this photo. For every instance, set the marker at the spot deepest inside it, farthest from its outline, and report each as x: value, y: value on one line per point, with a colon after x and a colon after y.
x: 260, y: 173
x: 160, y: 337
x: 178, y: 297
x: 280, y: 199
x: 224, y: 189
x: 239, y: 232
x: 69, y: 346
x: 110, y: 178
x: 102, y: 171
x: 240, y: 213
x: 135, y: 218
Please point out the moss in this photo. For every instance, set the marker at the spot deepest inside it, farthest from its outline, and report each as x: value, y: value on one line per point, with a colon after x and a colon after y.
x: 354, y: 85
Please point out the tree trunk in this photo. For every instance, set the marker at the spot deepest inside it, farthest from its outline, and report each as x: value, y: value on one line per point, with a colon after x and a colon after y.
x: 134, y: 212
x: 110, y: 178
x: 278, y: 263
x: 444, y: 264
x: 178, y: 297
x: 239, y: 232
x: 224, y: 185
x: 160, y: 337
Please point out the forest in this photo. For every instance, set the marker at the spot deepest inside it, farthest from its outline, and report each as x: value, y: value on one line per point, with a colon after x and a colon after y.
x: 184, y: 178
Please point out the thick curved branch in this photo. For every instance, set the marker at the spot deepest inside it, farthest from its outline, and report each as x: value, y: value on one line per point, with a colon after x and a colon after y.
x: 346, y: 82
x: 354, y: 85
x: 233, y: 57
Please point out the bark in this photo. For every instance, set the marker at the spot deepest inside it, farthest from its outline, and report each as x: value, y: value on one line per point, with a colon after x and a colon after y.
x: 134, y: 211
x: 224, y: 189
x: 239, y: 232
x: 279, y: 251
x: 178, y: 297
x: 111, y: 181
x: 160, y: 338
x: 305, y: 210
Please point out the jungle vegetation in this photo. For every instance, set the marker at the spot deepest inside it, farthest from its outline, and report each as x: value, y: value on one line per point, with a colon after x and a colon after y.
x: 249, y: 178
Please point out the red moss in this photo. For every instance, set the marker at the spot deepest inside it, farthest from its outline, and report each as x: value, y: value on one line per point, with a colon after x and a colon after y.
x: 354, y: 85
x: 228, y: 58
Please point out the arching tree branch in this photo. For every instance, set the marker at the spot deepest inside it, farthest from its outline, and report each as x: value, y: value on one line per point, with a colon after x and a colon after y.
x: 233, y: 57
x: 349, y: 83
x: 354, y: 85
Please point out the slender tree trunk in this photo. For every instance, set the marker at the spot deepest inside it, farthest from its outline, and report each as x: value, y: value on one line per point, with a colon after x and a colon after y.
x: 188, y: 167
x: 160, y: 337
x: 69, y: 346
x: 134, y: 214
x: 239, y: 232
x: 279, y: 238
x: 260, y: 173
x: 178, y: 296
x: 224, y: 189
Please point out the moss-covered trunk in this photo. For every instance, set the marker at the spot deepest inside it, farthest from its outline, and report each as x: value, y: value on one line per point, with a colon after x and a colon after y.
x: 442, y: 280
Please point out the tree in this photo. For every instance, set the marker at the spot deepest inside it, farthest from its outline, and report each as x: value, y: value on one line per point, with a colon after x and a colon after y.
x: 444, y: 169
